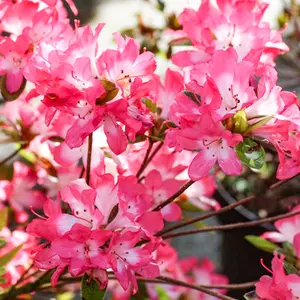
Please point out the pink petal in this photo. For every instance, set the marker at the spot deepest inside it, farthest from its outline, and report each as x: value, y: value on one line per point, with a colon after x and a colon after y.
x: 116, y: 138
x: 200, y: 166
x: 273, y: 236
x: 65, y: 156
x: 229, y: 162
x: 14, y: 81
x: 153, y: 180
x: 152, y: 221
x: 171, y: 212
x: 294, y: 284
x: 46, y: 259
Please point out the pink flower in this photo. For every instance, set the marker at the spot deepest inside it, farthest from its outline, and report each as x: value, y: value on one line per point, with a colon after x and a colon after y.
x: 280, y: 285
x: 13, y: 59
x: 223, y: 26
x: 11, y: 21
x: 123, y: 65
x: 162, y: 190
x: 126, y: 259
x: 81, y: 199
x: 166, y: 95
x: 80, y: 249
x: 288, y: 231
x: 214, y: 142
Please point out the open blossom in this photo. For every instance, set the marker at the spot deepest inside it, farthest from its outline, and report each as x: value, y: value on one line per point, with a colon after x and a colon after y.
x: 75, y: 240
x: 288, y: 231
x: 236, y: 24
x: 280, y: 285
x: 214, y: 142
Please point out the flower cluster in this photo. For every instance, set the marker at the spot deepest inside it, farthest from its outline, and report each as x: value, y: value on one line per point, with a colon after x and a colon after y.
x: 230, y: 91
x: 110, y: 151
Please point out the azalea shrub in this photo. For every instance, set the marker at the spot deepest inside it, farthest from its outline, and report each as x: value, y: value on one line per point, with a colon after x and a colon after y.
x: 111, y: 155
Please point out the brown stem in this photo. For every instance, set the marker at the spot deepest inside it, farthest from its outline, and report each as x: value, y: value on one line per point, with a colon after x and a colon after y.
x: 222, y: 210
x: 89, y: 159
x: 237, y: 286
x: 159, y: 280
x: 150, y: 158
x: 144, y: 163
x: 195, y: 287
x: 174, y: 196
x: 154, y: 152
x: 232, y: 226
x: 21, y: 279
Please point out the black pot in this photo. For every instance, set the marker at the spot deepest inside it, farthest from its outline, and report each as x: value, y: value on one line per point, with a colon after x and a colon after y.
x: 240, y: 260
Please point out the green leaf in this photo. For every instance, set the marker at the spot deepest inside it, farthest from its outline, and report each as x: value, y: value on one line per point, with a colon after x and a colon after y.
x: 187, y: 206
x: 9, y: 256
x: 3, y: 243
x: 193, y: 96
x: 3, y: 217
x: 259, y: 124
x: 290, y: 257
x: 288, y: 247
x: 28, y: 156
x: 90, y: 289
x: 162, y: 294
x: 161, y: 5
x: 111, y: 92
x: 290, y: 269
x: 150, y: 105
x: 251, y: 153
x: 2, y: 280
x: 65, y: 296
x: 2, y: 271
x: 251, y: 296
x: 261, y: 243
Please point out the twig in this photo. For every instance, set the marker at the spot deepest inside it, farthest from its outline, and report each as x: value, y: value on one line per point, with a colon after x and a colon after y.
x: 232, y: 226
x: 237, y: 286
x: 159, y: 280
x: 195, y: 287
x: 150, y: 158
x: 174, y: 196
x: 144, y: 163
x: 21, y: 279
x: 222, y: 210
x: 5, y: 160
x: 155, y: 152
x: 89, y: 159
